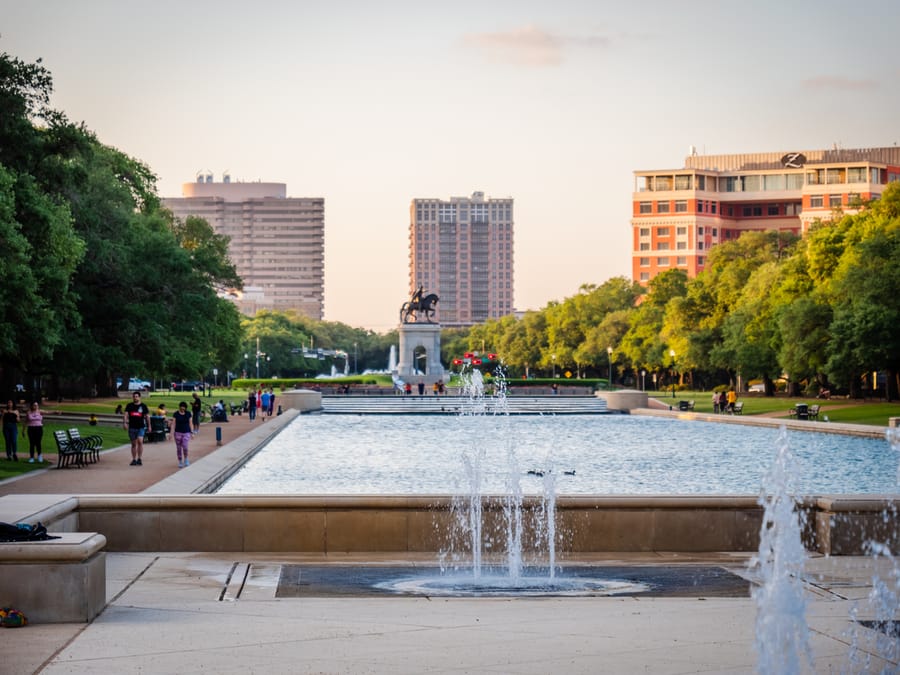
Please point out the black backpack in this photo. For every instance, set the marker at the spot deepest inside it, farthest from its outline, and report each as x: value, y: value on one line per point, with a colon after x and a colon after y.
x: 24, y: 532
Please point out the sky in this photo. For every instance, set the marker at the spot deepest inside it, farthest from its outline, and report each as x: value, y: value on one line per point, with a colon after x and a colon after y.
x: 373, y: 104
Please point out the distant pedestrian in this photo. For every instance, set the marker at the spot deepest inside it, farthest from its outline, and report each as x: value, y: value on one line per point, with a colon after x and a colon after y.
x: 271, y: 408
x: 196, y: 408
x: 251, y: 404
x: 11, y: 431
x: 34, y: 427
x: 136, y: 420
x: 264, y: 403
x: 732, y: 399
x: 182, y: 424
x: 715, y: 401
x: 421, y: 387
x: 407, y: 388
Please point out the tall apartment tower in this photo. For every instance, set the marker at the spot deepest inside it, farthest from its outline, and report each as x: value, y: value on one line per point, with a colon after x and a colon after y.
x: 277, y: 242
x: 678, y: 215
x: 462, y: 249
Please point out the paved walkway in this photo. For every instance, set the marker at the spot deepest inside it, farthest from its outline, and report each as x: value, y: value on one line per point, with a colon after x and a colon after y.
x: 218, y: 612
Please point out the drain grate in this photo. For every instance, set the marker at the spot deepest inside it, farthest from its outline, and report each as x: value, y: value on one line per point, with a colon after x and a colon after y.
x: 889, y: 628
x: 298, y: 581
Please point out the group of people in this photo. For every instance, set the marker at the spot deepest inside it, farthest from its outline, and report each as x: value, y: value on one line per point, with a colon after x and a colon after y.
x: 723, y: 401
x: 32, y: 426
x: 262, y: 401
x: 136, y: 419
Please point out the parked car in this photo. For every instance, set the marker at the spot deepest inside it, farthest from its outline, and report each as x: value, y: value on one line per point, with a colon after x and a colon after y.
x: 189, y: 385
x: 137, y: 384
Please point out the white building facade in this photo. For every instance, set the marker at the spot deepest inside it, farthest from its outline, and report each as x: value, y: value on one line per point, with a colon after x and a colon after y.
x: 277, y: 243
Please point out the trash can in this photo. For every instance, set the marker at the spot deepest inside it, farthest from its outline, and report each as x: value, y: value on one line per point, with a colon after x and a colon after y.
x: 683, y: 405
x: 802, y: 411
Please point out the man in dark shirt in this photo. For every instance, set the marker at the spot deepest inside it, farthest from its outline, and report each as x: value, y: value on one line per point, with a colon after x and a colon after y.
x: 137, y: 416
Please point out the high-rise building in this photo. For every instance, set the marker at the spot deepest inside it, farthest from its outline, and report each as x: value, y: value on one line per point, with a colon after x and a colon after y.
x: 680, y: 214
x: 462, y: 249
x: 277, y: 242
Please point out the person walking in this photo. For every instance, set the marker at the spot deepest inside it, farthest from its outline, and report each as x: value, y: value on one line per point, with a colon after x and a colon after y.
x: 251, y: 404
x: 732, y: 399
x: 264, y: 403
x: 182, y: 419
x: 271, y: 407
x: 11, y: 431
x: 34, y: 427
x: 196, y: 407
x: 136, y: 420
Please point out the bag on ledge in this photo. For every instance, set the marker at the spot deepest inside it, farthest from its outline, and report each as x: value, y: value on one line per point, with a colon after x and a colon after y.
x: 24, y: 532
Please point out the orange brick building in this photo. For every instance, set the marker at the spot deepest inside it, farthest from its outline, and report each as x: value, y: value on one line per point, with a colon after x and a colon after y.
x: 680, y: 214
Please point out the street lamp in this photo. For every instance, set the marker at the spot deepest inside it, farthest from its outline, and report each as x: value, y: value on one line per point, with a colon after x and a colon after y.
x: 553, y: 359
x: 643, y: 376
x: 355, y: 353
x: 609, y: 358
x: 672, y: 354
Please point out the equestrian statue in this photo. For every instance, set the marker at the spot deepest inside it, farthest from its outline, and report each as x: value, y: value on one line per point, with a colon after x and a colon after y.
x: 419, y: 305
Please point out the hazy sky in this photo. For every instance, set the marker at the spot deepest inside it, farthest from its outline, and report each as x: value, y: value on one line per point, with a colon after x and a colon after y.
x: 371, y: 104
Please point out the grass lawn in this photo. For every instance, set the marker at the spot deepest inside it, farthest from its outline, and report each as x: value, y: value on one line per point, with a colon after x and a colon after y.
x: 838, y: 410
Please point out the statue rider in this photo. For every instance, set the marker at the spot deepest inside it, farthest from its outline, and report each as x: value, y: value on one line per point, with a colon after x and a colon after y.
x: 416, y: 299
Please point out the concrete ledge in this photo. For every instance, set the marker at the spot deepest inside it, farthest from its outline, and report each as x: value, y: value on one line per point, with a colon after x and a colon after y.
x: 625, y: 400
x: 304, y: 400
x: 846, y: 524
x: 55, y: 581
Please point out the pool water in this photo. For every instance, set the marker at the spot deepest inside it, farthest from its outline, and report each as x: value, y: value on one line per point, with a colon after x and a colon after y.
x: 589, y: 455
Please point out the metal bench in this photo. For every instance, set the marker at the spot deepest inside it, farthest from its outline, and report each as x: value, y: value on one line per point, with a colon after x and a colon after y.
x: 738, y: 408
x: 90, y: 445
x: 69, y: 452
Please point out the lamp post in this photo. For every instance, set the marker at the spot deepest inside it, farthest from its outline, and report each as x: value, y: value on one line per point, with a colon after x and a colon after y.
x: 609, y: 358
x: 672, y: 354
x: 355, y: 354
x: 553, y: 359
x: 244, y: 369
x: 643, y: 382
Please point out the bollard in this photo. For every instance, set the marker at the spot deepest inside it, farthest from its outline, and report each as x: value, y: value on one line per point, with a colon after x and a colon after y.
x: 280, y: 411
x: 218, y: 435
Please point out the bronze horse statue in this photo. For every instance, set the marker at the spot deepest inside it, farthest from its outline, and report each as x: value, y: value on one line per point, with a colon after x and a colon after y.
x: 425, y: 305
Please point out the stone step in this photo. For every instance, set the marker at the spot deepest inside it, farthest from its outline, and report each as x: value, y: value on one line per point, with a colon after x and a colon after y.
x: 454, y: 405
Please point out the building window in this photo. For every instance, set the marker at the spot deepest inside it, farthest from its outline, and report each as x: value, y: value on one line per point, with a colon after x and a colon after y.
x: 663, y: 261
x: 701, y: 182
x: 681, y: 245
x: 662, y: 207
x: 681, y: 260
x: 645, y: 231
x: 683, y: 182
x: 700, y: 245
x: 856, y: 174
x: 712, y: 207
x: 700, y: 261
x: 662, y: 231
x: 645, y: 246
x: 681, y: 206
x: 662, y: 246
x: 645, y: 276
x: 681, y: 231
x: 816, y: 202
x: 645, y: 262
x: 834, y: 201
x: 645, y: 207
x: 700, y: 207
x: 772, y: 209
x: 715, y: 232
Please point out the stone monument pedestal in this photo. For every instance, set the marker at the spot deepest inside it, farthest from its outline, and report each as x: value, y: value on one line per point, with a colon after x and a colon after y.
x: 427, y: 336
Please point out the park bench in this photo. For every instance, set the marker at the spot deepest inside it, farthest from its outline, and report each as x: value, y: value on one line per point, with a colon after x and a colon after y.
x: 90, y: 445
x: 159, y: 427
x: 738, y: 408
x: 813, y: 411
x: 68, y: 451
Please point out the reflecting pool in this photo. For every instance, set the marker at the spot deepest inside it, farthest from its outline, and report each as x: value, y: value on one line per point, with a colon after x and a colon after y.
x: 602, y: 454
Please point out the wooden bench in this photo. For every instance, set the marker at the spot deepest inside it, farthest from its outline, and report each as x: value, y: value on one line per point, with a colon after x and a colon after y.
x: 69, y: 452
x: 90, y: 445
